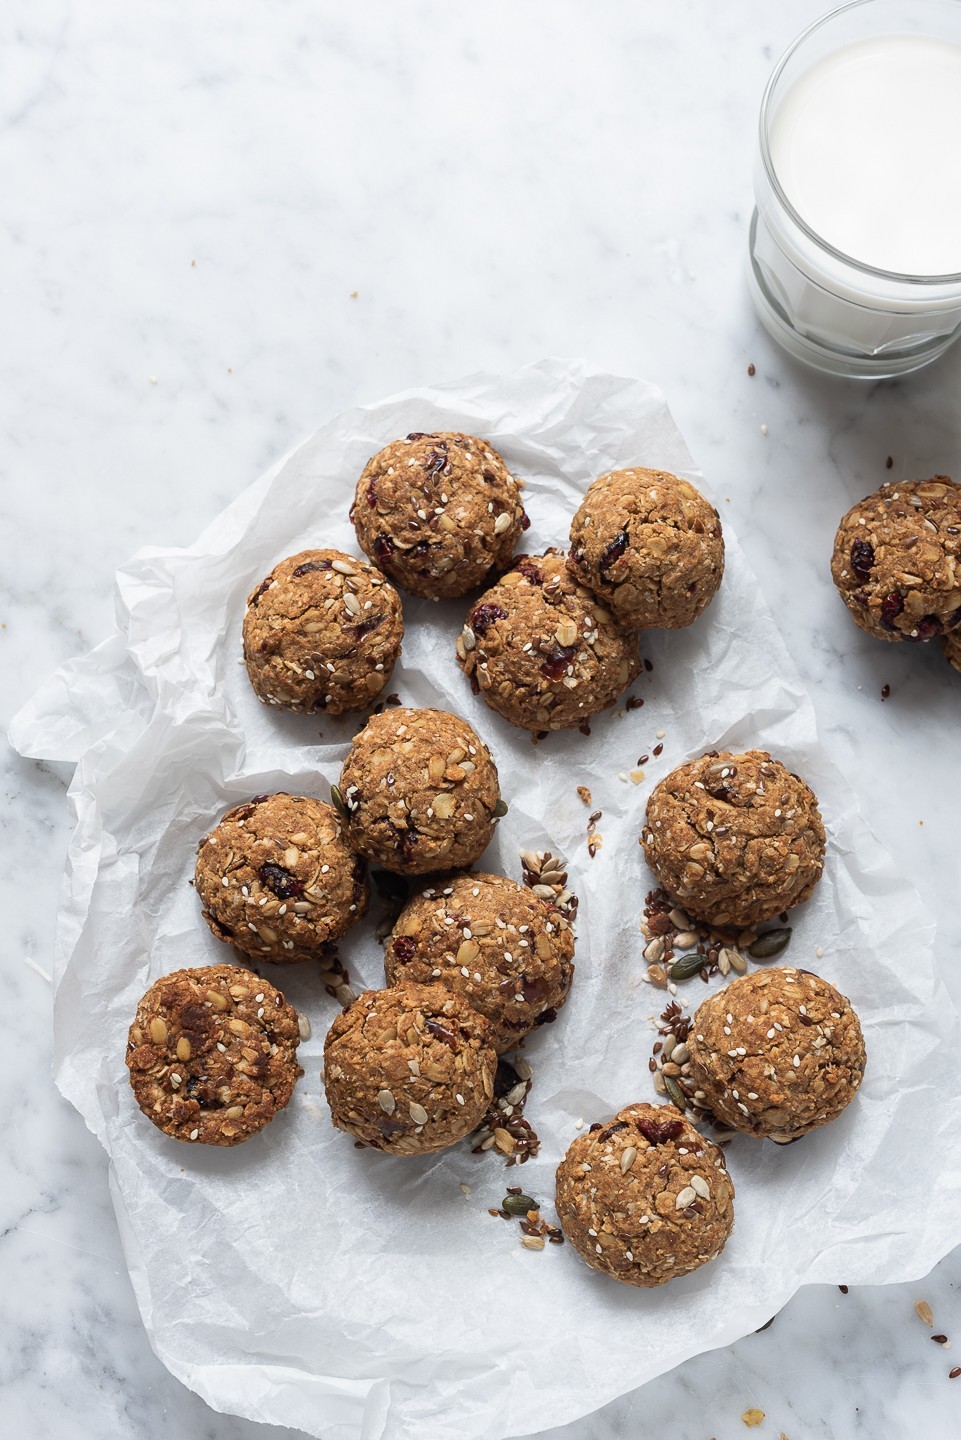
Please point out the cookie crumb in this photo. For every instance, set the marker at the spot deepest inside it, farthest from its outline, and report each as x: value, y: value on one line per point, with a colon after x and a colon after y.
x: 585, y: 794
x: 752, y: 1418
x: 924, y: 1312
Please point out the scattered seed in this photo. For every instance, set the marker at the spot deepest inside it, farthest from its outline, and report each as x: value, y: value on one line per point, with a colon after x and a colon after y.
x: 924, y: 1312
x: 532, y: 1242
x: 689, y: 965
x: 518, y: 1203
x: 673, y: 1091
x: 771, y: 943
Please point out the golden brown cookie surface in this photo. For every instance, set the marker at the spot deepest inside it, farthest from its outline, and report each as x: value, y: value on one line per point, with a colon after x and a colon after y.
x: 277, y: 878
x: 437, y: 511
x: 322, y: 632
x: 409, y: 1069
x: 212, y: 1054
x: 509, y: 953
x: 951, y: 647
x: 734, y: 839
x: 650, y: 546
x: 777, y: 1053
x: 897, y: 560
x: 419, y: 792
x: 542, y: 650
x: 645, y: 1198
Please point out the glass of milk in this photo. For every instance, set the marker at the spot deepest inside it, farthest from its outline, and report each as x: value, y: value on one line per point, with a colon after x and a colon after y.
x: 856, y: 236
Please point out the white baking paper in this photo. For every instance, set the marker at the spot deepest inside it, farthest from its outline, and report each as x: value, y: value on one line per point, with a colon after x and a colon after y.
x: 301, y: 1281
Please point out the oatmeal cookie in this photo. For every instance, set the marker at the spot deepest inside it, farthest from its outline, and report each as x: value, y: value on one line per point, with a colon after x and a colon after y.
x: 509, y: 953
x: 650, y: 546
x: 436, y: 512
x: 212, y: 1054
x: 419, y: 792
x: 542, y: 650
x: 951, y: 646
x: 897, y: 560
x: 322, y: 632
x: 409, y: 1069
x: 645, y: 1198
x: 777, y: 1053
x: 277, y: 878
x: 734, y: 839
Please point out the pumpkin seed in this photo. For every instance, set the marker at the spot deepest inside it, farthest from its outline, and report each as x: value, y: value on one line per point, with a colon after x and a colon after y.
x: 674, y: 1093
x: 518, y: 1204
x: 338, y: 801
x: 687, y: 966
x: 500, y: 809
x: 771, y: 943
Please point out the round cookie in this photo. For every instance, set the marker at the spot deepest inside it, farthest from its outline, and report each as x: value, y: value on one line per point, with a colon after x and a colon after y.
x: 437, y: 511
x: 650, y: 546
x: 734, y: 839
x: 509, y: 953
x: 410, y: 1069
x: 645, y: 1198
x: 322, y: 632
x: 951, y: 646
x: 212, y: 1054
x: 277, y: 878
x: 897, y: 560
x: 777, y: 1053
x: 542, y: 650
x: 419, y: 792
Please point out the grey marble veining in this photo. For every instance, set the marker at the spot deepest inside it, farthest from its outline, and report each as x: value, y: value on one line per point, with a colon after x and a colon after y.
x: 191, y: 195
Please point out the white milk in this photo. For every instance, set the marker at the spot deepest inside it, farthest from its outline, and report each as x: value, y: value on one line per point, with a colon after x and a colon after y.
x: 867, y: 148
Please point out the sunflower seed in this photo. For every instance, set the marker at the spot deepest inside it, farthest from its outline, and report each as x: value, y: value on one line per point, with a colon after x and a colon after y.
x: 686, y: 1197
x: 699, y: 1184
x: 924, y: 1312
x: 628, y: 1156
x: 673, y: 1091
x: 303, y: 1025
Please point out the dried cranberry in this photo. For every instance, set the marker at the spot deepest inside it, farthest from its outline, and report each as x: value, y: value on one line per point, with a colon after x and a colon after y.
x: 891, y: 607
x: 265, y: 585
x: 612, y: 1129
x: 525, y: 520
x: 384, y: 548
x: 482, y: 617
x: 441, y: 1032
x: 309, y: 565
x: 862, y: 558
x: 420, y: 435
x: 657, y: 1132
x: 929, y: 626
x: 361, y: 631
x: 535, y: 990
x: 505, y: 1077
x: 529, y: 570
x: 613, y: 552
x: 555, y: 663
x: 371, y: 495
x: 436, y: 460
x: 861, y: 597
x: 284, y: 885
x: 404, y: 948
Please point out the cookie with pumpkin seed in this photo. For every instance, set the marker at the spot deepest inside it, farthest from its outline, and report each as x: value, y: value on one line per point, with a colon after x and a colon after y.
x: 278, y: 880
x: 323, y: 632
x: 410, y: 1069
x: 212, y: 1054
x: 645, y: 1198
x: 542, y: 650
x: 509, y: 953
x: 419, y: 792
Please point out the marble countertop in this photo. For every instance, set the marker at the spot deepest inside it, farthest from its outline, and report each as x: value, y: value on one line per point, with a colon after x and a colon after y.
x: 223, y: 224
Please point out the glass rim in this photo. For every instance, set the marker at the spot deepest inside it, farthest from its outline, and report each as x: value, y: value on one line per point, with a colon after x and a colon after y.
x: 901, y: 277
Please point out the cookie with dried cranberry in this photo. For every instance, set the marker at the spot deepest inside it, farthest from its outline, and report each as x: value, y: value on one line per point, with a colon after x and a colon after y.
x: 734, y: 839
x: 437, y: 512
x: 419, y: 792
x: 650, y: 546
x: 509, y: 953
x: 645, y: 1198
x: 212, y: 1054
x: 951, y: 646
x: 278, y: 880
x: 777, y: 1053
x: 410, y: 1069
x: 322, y: 632
x: 897, y: 560
x: 543, y: 651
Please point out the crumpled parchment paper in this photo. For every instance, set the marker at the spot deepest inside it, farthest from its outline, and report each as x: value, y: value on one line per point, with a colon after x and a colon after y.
x: 300, y: 1281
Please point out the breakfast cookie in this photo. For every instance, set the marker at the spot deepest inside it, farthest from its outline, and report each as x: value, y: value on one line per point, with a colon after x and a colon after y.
x: 277, y: 878
x: 212, y: 1054
x: 777, y: 1053
x: 542, y: 650
x: 509, y: 953
x: 734, y: 839
x: 645, y: 1198
x: 322, y: 632
x: 897, y: 560
x: 650, y: 546
x: 419, y: 792
x: 436, y: 512
x: 951, y: 645
x: 409, y: 1069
